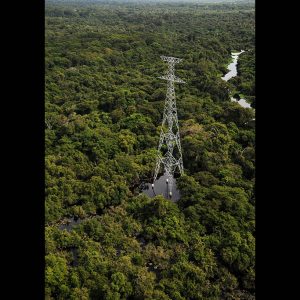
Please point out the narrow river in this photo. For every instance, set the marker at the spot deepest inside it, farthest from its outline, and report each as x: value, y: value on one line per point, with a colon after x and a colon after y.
x: 232, y: 67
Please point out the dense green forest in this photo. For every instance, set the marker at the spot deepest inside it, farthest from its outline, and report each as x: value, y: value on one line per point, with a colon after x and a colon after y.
x: 103, y: 110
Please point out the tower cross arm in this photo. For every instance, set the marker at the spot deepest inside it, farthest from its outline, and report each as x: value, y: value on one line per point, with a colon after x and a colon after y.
x: 171, y: 59
x: 171, y: 78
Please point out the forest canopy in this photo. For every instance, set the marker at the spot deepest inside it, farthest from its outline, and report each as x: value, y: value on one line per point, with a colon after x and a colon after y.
x: 103, y: 111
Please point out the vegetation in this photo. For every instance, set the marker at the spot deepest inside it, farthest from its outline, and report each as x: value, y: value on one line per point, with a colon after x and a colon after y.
x: 103, y: 113
x: 244, y: 83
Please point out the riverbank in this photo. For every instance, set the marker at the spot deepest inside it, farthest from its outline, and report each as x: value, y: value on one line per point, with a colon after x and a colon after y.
x: 232, y: 67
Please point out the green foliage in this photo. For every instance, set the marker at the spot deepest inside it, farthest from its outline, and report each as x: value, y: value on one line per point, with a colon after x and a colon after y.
x: 103, y: 109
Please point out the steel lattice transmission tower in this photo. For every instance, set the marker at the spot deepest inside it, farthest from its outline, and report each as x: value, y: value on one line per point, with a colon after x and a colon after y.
x: 169, y: 149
